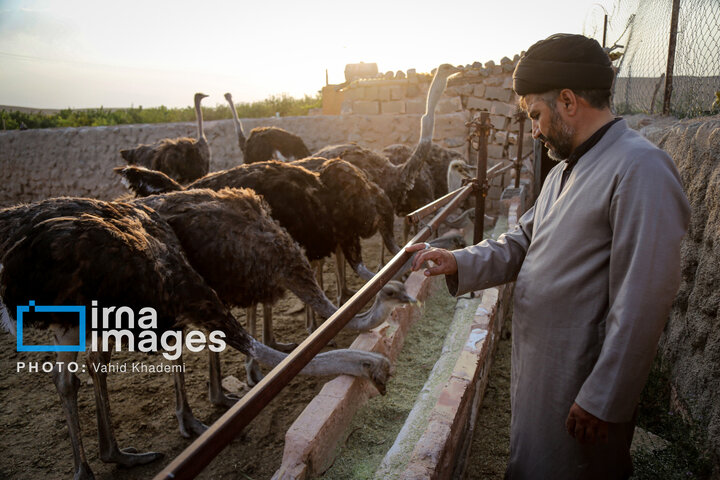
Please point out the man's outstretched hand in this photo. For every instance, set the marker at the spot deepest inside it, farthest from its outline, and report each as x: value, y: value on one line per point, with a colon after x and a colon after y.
x: 444, y: 261
x: 585, y: 427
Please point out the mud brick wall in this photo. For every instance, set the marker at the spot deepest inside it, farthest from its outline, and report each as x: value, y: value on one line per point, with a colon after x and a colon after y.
x: 480, y: 88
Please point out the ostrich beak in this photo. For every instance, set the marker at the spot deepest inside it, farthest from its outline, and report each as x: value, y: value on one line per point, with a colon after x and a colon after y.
x: 405, y: 298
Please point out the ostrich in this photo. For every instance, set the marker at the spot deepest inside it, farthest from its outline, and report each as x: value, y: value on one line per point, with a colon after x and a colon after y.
x: 299, y: 200
x: 267, y: 143
x: 252, y: 259
x: 75, y: 251
x: 447, y: 168
x: 184, y: 159
x: 398, y: 180
x: 351, y: 196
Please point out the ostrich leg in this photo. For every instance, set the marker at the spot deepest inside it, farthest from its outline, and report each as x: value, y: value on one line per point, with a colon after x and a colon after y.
x: 67, y: 385
x: 217, y: 396
x: 109, y: 451
x: 252, y: 370
x: 344, y: 293
x: 189, y: 425
x: 310, y: 323
x: 267, y: 335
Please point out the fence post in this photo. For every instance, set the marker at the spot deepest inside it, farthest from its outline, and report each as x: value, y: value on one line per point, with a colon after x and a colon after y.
x: 671, y: 56
x: 482, y: 131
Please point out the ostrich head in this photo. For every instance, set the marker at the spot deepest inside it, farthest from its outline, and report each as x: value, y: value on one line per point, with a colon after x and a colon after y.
x: 458, y: 171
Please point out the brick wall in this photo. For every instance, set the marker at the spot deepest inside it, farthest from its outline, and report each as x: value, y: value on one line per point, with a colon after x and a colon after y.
x: 481, y: 87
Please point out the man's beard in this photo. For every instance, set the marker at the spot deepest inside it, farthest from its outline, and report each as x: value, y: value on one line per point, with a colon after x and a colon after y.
x: 559, y: 138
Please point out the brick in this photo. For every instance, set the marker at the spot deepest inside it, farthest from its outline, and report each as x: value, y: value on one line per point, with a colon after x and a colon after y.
x: 450, y: 125
x: 384, y: 93
x: 370, y: 93
x: 479, y: 90
x: 507, y: 82
x: 448, y: 105
x: 366, y: 107
x: 397, y: 93
x: 413, y: 90
x: 497, y: 93
x: 415, y: 106
x: 346, y: 108
x: 475, y: 103
x: 494, y: 81
x: 496, y: 151
x: 502, y: 108
x: 500, y: 137
x: 392, y: 107
x: 499, y: 122
x: 354, y: 93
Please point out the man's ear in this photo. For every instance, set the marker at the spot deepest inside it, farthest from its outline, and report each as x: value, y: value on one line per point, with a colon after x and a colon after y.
x: 568, y: 101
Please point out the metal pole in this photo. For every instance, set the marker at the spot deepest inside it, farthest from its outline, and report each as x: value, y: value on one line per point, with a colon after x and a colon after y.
x: 671, y: 56
x: 605, y: 32
x: 482, y: 129
x: 521, y: 133
x: 200, y: 453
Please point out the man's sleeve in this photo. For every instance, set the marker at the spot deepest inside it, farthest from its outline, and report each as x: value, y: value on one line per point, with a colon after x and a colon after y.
x: 492, y: 262
x: 649, y: 215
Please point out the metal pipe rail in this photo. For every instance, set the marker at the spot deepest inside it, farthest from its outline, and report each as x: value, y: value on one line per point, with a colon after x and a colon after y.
x: 200, y: 453
x: 422, y: 212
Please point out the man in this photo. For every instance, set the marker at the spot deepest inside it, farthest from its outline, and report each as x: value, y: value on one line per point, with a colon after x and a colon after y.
x: 596, y: 265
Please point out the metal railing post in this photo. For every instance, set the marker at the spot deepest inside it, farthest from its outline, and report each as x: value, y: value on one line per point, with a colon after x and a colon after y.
x: 671, y: 57
x: 482, y: 132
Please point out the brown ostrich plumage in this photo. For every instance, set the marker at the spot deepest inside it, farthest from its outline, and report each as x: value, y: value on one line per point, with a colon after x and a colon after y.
x: 267, y: 143
x: 183, y: 159
x: 73, y: 251
x: 435, y: 170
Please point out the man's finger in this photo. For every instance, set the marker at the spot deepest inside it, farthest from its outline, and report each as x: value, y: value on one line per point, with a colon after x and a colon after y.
x: 591, y: 433
x: 570, y: 425
x: 579, y: 432
x: 415, y: 247
x: 603, y: 433
x: 419, y: 259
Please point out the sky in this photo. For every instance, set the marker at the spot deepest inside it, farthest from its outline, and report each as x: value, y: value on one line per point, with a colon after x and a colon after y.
x: 92, y: 53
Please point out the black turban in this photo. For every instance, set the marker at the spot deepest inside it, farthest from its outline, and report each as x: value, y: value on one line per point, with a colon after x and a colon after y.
x: 563, y: 61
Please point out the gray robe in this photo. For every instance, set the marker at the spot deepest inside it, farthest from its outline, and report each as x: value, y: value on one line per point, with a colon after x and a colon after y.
x: 596, y: 270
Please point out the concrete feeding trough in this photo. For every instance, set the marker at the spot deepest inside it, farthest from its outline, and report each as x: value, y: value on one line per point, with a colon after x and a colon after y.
x: 435, y: 437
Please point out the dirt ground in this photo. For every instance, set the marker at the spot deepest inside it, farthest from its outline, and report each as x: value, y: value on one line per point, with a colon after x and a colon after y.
x: 34, y: 437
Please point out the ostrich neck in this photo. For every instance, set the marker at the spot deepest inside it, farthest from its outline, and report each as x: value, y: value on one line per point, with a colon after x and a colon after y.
x: 410, y: 169
x: 362, y: 321
x: 198, y: 115
x: 238, y: 126
x: 371, y: 318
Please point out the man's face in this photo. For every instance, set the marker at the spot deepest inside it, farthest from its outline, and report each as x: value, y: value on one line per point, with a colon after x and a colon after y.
x: 549, y: 127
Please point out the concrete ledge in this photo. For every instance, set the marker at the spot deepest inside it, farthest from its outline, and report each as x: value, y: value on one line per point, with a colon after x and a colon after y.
x: 311, y: 443
x: 441, y: 447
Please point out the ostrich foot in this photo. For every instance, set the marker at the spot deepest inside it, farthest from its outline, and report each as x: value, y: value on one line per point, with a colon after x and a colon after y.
x: 283, y: 347
x: 222, y: 399
x: 84, y: 473
x: 252, y: 370
x: 189, y: 426
x: 128, y: 457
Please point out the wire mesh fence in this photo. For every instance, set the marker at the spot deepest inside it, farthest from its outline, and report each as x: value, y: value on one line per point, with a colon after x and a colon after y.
x: 641, y: 31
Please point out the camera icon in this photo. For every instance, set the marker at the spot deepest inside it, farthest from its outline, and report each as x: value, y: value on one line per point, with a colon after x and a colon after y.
x: 32, y: 308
